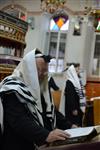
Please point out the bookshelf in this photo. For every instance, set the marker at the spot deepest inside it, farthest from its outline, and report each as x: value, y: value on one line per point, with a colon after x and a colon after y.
x: 12, y: 42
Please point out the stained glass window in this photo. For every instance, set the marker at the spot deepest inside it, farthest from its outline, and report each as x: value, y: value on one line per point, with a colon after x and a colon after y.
x: 97, y: 22
x: 59, y: 22
x: 98, y: 25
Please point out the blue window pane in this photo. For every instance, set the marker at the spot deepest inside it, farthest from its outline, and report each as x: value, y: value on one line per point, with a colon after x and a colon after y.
x: 55, y: 27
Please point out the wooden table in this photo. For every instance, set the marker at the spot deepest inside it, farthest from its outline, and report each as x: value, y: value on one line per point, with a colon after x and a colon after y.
x: 93, y: 145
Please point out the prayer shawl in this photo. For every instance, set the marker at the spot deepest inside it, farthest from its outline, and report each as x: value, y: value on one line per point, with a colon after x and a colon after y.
x: 24, y: 81
x: 73, y: 77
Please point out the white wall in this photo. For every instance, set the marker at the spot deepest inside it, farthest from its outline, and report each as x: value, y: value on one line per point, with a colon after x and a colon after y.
x: 89, y: 49
x: 78, y: 48
x: 33, y: 39
x: 75, y: 44
x: 36, y: 38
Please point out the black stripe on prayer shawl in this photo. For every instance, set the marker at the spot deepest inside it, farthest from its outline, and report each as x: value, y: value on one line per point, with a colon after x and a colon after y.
x: 26, y: 99
x: 14, y: 83
x: 50, y: 118
x: 36, y: 118
x: 9, y: 79
x: 49, y: 112
x: 27, y: 92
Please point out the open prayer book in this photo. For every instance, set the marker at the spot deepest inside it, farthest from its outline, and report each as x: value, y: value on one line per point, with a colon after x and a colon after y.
x: 79, y: 135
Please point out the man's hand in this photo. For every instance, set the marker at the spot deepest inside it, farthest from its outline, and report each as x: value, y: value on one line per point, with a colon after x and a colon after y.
x: 57, y: 134
x: 74, y: 126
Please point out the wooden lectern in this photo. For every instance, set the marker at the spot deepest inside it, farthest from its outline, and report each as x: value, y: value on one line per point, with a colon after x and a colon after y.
x: 79, y: 146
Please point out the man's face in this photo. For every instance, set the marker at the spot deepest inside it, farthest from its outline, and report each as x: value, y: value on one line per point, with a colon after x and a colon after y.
x: 42, y: 68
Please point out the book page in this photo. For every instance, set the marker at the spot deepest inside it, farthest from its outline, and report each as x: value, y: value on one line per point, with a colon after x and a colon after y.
x: 81, y: 131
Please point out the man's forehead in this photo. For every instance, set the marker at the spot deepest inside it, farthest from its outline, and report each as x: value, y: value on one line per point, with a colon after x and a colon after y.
x: 41, y: 63
x: 40, y: 60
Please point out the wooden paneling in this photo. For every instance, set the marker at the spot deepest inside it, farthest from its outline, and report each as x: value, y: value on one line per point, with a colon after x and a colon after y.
x: 93, y: 88
x: 12, y: 31
x: 96, y: 111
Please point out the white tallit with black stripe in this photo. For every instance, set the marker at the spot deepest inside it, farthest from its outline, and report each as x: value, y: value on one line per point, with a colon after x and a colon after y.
x: 24, y: 81
x: 73, y: 77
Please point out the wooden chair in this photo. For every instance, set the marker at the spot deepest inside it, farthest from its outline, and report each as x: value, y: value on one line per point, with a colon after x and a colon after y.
x: 88, y: 119
x: 96, y: 111
x: 56, y: 98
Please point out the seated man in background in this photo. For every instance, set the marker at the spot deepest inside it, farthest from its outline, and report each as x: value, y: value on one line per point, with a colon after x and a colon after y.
x: 30, y: 117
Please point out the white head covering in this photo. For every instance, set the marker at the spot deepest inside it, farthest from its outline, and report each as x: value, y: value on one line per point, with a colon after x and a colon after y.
x: 73, y: 77
x: 27, y: 70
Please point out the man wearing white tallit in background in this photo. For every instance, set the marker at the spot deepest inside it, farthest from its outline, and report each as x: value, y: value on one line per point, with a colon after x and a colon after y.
x: 73, y: 101
x: 30, y: 117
